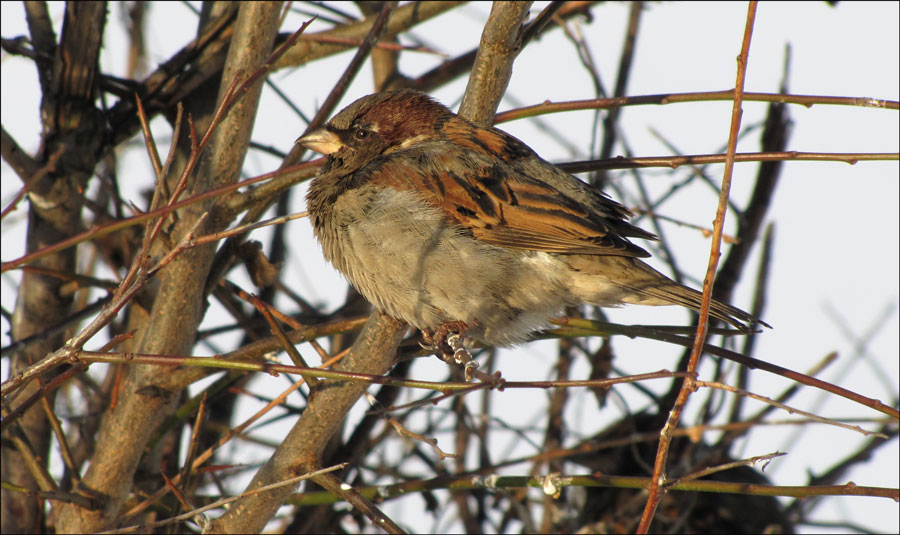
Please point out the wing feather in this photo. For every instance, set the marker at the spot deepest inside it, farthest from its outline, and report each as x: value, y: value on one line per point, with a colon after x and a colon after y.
x: 503, y: 204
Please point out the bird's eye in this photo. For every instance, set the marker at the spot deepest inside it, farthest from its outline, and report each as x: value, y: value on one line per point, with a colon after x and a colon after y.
x: 361, y: 133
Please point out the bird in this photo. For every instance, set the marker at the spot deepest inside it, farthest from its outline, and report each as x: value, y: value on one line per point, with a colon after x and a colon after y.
x: 459, y: 229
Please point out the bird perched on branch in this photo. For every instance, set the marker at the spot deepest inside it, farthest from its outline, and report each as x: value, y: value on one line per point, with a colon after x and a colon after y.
x: 456, y: 228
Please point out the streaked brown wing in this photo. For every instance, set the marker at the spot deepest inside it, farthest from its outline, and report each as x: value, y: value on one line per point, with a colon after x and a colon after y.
x: 503, y: 206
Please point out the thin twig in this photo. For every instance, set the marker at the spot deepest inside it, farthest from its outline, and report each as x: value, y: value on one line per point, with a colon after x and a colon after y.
x: 659, y: 476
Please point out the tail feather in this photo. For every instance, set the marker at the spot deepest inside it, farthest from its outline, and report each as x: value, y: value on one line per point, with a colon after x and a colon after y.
x: 676, y: 294
x: 610, y: 280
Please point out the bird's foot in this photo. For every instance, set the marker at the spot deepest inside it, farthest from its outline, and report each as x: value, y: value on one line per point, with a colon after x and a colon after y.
x: 450, y: 343
x: 447, y: 342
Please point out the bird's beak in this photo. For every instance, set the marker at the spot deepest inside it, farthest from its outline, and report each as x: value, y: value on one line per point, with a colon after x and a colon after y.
x: 322, y: 141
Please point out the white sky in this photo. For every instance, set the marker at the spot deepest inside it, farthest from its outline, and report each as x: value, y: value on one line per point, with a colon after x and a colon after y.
x: 836, y: 259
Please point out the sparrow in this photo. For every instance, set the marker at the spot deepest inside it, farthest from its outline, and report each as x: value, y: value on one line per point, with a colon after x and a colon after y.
x: 457, y: 228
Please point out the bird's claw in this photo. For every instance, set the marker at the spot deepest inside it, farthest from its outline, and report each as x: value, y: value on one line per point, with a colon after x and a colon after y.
x: 428, y: 347
x: 452, y: 349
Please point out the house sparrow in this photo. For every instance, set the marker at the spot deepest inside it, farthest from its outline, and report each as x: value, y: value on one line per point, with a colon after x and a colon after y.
x: 452, y: 227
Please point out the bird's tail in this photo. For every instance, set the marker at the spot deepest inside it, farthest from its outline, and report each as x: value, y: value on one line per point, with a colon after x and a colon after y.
x: 610, y: 280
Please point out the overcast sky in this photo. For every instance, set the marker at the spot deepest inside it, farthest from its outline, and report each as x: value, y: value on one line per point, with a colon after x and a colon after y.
x: 837, y: 255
